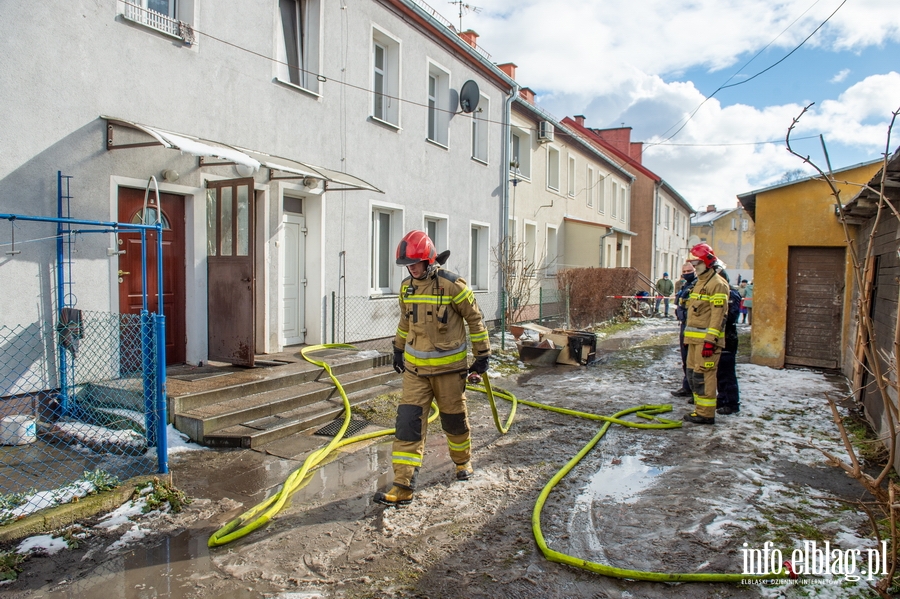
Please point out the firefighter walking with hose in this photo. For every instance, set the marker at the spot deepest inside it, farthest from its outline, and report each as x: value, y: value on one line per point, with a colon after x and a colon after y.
x: 438, y: 314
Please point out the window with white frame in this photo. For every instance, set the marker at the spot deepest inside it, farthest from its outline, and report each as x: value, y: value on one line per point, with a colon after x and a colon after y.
x: 589, y: 188
x: 520, y: 153
x: 166, y: 16
x: 529, y: 255
x: 438, y: 101
x: 623, y: 210
x: 571, y: 176
x: 614, y: 199
x: 385, y: 235
x: 436, y: 228
x: 553, y: 168
x: 666, y: 222
x: 297, y: 50
x: 385, y: 77
x: 479, y: 256
x: 480, y: 120
x: 745, y: 224
x: 601, y: 193
x: 552, y: 255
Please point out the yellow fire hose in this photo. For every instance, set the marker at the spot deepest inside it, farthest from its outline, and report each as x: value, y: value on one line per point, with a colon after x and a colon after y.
x: 260, y: 514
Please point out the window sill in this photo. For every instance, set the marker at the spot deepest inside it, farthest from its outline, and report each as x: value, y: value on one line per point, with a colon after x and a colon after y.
x: 377, y: 295
x: 553, y: 189
x: 296, y: 87
x: 480, y: 161
x: 438, y: 144
x: 388, y: 124
x: 520, y: 176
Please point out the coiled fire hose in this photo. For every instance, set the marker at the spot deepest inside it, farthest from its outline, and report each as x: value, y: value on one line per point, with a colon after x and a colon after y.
x: 262, y: 513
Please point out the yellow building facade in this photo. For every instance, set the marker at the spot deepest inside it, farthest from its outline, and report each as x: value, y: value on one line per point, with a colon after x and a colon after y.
x: 795, y: 318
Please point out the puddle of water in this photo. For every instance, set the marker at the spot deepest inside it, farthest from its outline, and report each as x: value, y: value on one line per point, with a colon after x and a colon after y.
x: 621, y: 482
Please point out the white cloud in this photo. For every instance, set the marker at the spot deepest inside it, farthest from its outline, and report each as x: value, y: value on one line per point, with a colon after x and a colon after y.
x: 840, y: 76
x: 614, y: 62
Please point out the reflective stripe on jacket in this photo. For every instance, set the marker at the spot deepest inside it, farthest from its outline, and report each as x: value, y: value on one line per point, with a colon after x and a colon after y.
x: 707, y: 308
x: 434, y: 315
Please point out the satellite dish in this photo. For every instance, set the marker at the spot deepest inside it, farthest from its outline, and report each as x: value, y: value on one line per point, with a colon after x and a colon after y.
x: 468, y: 96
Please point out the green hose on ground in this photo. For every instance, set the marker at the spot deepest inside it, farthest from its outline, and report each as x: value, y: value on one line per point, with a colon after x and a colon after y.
x: 263, y: 512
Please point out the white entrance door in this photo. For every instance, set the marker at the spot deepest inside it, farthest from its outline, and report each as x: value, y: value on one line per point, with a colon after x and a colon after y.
x: 293, y: 282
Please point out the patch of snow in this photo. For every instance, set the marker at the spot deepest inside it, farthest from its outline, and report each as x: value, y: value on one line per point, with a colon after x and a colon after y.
x: 42, y: 544
x: 45, y: 499
x: 136, y: 533
x: 122, y: 515
x: 177, y: 442
x: 368, y: 353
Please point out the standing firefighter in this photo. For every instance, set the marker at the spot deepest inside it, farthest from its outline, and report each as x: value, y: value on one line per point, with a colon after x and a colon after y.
x: 436, y: 308
x: 704, y: 332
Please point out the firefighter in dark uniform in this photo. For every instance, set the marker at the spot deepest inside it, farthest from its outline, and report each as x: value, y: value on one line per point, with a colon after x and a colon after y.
x: 436, y: 309
x: 704, y: 332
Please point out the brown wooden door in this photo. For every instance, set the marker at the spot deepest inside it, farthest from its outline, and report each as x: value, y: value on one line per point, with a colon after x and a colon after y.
x: 230, y: 267
x: 814, y: 306
x: 171, y: 214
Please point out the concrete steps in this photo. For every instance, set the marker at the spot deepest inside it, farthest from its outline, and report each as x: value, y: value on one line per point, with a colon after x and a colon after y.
x: 283, y: 401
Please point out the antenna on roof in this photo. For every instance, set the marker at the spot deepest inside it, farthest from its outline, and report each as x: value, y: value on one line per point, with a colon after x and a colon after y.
x: 464, y: 9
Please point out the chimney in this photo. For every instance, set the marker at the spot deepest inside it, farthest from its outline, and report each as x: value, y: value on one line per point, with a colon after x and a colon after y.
x: 579, y: 118
x: 469, y: 37
x: 509, y: 68
x: 711, y: 208
x: 527, y: 94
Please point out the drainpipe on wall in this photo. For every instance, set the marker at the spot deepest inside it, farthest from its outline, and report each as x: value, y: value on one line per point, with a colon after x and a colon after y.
x: 504, y: 173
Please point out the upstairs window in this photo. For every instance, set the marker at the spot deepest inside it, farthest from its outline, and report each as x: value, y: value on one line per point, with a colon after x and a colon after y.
x: 480, y: 130
x: 438, y: 101
x: 601, y: 194
x: 520, y: 153
x: 589, y: 188
x: 553, y: 168
x: 385, y: 78
x: 571, y: 176
x: 297, y: 53
x: 162, y: 15
x: 614, y: 199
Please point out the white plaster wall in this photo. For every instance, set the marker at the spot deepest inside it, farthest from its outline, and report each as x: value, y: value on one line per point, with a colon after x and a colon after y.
x: 65, y: 64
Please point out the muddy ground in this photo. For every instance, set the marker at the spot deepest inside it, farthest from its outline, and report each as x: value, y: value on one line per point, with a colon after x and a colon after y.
x: 681, y: 500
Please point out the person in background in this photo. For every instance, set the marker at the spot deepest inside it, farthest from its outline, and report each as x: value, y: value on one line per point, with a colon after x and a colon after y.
x: 664, y: 288
x: 748, y: 303
x: 704, y: 332
x: 430, y: 350
x: 742, y: 290
x: 728, y: 394
x: 683, y: 293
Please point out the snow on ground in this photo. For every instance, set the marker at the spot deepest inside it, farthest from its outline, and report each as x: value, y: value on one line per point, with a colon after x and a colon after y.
x: 178, y: 442
x: 45, y: 544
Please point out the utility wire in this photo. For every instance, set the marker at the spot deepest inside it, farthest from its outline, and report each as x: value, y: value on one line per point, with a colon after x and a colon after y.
x: 773, y: 65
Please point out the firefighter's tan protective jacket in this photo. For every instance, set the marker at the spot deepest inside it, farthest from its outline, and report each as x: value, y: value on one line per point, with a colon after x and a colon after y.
x: 434, y: 315
x: 706, y: 310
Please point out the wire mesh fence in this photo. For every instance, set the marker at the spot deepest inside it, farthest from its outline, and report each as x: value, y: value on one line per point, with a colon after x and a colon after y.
x: 81, y: 406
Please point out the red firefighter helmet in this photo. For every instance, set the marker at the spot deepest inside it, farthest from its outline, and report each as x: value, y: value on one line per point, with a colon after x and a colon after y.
x: 416, y: 246
x: 703, y: 252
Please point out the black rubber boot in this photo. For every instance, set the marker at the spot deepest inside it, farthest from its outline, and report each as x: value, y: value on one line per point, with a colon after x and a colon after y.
x: 397, y: 496
x: 698, y: 419
x: 464, y: 471
x: 682, y: 393
x: 728, y: 410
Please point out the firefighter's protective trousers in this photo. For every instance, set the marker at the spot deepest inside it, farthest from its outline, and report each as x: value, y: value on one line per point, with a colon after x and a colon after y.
x: 706, y: 312
x: 448, y: 391
x: 438, y: 319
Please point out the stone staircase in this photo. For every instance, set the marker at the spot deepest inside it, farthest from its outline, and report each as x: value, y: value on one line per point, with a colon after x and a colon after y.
x: 255, y: 407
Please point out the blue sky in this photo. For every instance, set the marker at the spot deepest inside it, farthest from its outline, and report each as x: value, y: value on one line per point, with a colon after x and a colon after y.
x: 648, y: 64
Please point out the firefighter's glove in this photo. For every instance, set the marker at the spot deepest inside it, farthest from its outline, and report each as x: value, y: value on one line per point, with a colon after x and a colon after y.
x: 708, y: 349
x: 399, y: 366
x: 480, y: 365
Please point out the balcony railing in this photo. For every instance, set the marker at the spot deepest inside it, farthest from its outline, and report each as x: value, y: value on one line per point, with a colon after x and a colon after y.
x: 158, y: 21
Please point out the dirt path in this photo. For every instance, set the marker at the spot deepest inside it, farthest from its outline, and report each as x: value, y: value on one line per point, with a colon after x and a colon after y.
x: 681, y: 500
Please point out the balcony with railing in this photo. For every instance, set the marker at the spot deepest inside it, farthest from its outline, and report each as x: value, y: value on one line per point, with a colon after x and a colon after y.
x: 158, y: 21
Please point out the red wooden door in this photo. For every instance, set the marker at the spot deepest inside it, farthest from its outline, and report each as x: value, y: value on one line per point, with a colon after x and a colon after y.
x: 171, y: 213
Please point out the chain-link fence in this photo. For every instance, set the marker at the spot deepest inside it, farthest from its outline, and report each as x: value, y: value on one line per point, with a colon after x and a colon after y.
x: 81, y: 406
x: 371, y: 322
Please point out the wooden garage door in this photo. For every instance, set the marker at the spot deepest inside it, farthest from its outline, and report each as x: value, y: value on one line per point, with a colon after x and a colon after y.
x: 814, y: 306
